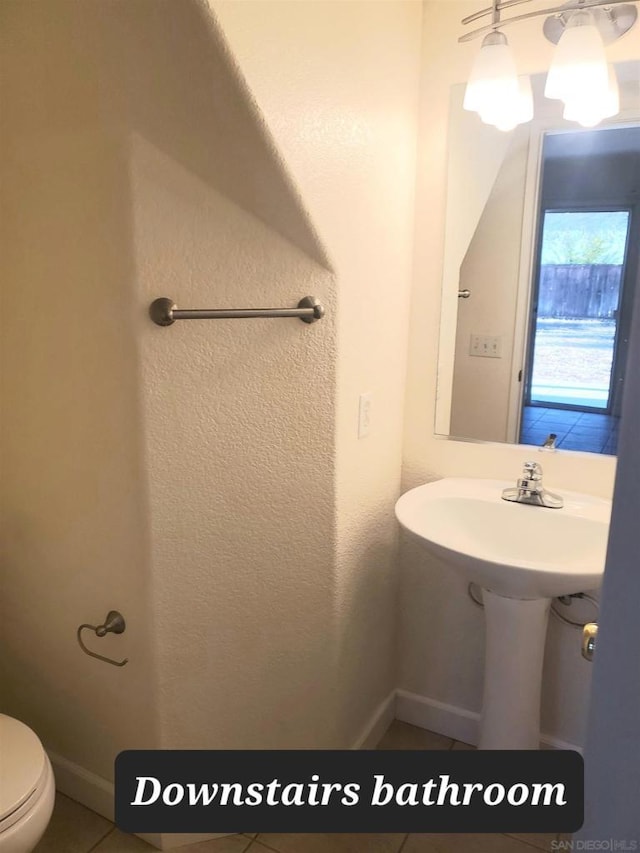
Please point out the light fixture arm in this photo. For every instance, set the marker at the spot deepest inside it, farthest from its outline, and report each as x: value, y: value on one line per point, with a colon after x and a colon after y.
x: 498, y: 7
x: 495, y: 16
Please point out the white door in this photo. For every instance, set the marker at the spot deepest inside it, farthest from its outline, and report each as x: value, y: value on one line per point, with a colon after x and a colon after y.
x: 612, y: 752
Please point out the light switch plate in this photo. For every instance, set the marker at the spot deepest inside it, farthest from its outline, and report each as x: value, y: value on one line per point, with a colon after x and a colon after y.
x: 364, y: 415
x: 486, y: 346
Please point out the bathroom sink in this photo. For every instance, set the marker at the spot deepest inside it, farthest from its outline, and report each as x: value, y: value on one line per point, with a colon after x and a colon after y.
x: 512, y: 549
x: 522, y: 556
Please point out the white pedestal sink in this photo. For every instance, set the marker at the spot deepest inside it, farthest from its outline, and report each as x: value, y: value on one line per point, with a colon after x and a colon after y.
x: 522, y: 556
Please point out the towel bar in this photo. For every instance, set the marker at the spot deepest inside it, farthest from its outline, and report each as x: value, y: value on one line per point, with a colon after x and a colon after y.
x: 164, y: 312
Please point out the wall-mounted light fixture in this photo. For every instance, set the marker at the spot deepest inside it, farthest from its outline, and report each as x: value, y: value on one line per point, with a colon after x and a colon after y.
x: 579, y: 76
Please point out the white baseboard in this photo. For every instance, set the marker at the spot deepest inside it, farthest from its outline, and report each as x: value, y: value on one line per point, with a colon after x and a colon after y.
x: 82, y: 785
x: 453, y: 721
x: 97, y: 794
x: 550, y: 742
x: 448, y: 720
x: 377, y: 724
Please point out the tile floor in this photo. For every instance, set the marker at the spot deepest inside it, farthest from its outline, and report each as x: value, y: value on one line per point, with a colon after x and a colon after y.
x: 75, y: 829
x: 588, y: 431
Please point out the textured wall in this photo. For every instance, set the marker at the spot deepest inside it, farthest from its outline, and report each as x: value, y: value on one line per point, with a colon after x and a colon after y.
x: 74, y: 508
x: 75, y: 522
x: 173, y: 474
x: 239, y: 448
x: 441, y: 631
x: 207, y: 478
x: 337, y: 83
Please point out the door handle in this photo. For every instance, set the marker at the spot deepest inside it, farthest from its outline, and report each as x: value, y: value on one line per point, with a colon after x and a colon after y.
x: 589, y: 634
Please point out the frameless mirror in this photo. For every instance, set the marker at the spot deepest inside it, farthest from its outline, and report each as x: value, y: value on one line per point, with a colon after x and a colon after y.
x: 540, y: 274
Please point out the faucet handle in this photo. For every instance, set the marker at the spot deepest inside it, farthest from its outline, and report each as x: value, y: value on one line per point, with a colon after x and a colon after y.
x: 533, y: 470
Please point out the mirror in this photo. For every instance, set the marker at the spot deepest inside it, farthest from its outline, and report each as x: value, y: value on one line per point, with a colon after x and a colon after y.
x: 540, y: 273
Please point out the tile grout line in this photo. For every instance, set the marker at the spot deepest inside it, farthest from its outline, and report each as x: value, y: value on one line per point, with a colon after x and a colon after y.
x: 111, y: 829
x: 264, y: 844
x: 403, y: 843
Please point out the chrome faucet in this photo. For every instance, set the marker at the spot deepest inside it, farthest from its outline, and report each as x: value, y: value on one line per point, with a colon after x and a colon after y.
x: 529, y: 489
x: 550, y: 442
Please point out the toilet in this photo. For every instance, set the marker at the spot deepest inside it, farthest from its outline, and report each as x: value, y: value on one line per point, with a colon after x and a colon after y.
x: 27, y: 787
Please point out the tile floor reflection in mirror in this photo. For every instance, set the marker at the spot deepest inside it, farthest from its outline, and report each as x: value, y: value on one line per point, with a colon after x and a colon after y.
x: 590, y: 432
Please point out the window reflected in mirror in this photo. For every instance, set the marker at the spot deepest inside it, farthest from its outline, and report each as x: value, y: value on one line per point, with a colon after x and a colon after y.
x: 575, y: 376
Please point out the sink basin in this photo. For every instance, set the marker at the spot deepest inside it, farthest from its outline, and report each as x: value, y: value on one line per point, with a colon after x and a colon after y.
x: 522, y: 556
x: 512, y: 549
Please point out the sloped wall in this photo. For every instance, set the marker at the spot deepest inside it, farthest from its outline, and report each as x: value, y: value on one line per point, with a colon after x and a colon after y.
x: 116, y: 169
x: 338, y: 86
x: 206, y: 479
x: 239, y: 448
x: 480, y: 387
x: 75, y: 520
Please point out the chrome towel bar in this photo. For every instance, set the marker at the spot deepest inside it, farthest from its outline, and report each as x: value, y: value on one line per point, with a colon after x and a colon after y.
x: 164, y: 312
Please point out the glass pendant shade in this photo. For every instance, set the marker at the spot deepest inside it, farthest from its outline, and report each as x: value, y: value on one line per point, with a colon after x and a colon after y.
x: 579, y: 64
x: 589, y: 110
x: 518, y: 109
x: 493, y: 79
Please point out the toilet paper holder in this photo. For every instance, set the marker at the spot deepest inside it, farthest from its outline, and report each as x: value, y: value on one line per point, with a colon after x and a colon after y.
x: 113, y: 624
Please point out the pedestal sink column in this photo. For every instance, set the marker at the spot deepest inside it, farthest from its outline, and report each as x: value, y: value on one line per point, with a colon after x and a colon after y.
x: 515, y: 640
